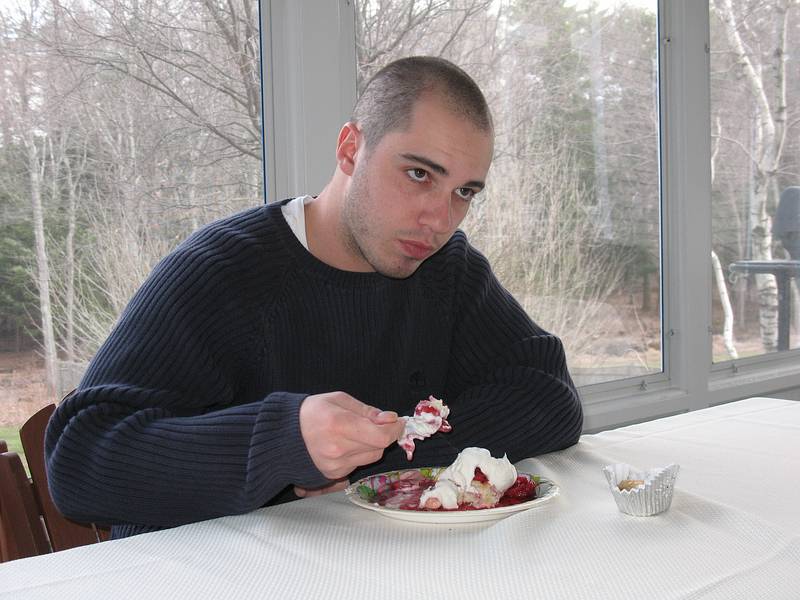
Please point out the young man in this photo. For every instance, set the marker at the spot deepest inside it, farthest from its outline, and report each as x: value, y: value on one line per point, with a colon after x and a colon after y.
x: 269, y: 355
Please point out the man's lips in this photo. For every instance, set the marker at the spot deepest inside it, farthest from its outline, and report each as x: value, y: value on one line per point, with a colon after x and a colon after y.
x: 416, y: 250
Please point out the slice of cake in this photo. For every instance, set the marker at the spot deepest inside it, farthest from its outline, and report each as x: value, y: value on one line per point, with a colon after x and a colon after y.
x: 475, y: 479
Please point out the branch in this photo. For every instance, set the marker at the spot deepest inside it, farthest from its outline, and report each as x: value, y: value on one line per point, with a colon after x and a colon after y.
x: 726, y: 14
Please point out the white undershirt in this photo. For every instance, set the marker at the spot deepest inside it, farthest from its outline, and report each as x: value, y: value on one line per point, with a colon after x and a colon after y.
x: 295, y: 215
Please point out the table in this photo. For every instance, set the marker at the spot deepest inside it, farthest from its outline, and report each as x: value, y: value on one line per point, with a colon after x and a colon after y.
x: 733, y: 531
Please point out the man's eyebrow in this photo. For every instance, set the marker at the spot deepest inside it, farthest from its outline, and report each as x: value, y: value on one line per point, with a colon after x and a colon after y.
x: 434, y: 166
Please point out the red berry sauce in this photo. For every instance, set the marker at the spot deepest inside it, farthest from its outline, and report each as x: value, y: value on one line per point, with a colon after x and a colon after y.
x: 405, y: 493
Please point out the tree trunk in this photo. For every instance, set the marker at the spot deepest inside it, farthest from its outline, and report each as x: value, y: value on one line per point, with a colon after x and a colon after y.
x: 727, y: 328
x: 42, y: 268
x: 770, y: 128
x: 69, y: 342
x: 603, y: 205
x: 765, y: 284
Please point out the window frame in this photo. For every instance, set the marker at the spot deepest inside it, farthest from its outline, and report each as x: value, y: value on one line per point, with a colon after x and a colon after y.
x: 308, y: 79
x: 309, y: 86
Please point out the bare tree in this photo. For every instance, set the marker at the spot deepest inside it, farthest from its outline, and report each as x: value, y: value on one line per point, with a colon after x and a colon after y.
x: 716, y: 265
x: 141, y: 123
x: 29, y: 125
x: 764, y: 73
x: 388, y: 29
x: 535, y: 231
x: 203, y: 63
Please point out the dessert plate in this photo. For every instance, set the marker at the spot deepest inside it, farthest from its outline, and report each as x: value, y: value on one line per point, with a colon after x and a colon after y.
x: 364, y: 493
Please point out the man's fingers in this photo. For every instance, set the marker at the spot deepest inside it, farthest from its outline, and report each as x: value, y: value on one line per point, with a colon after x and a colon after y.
x: 365, y: 433
x: 339, y: 485
x: 347, y: 402
x: 342, y: 433
x: 376, y: 415
x: 383, y: 417
x: 396, y: 429
x: 360, y: 459
x: 357, y: 440
x: 336, y: 486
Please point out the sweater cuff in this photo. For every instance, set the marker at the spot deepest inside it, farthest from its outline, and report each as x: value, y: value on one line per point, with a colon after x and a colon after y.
x: 280, y: 424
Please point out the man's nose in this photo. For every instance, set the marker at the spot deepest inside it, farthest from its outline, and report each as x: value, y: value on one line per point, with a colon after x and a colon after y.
x: 437, y: 212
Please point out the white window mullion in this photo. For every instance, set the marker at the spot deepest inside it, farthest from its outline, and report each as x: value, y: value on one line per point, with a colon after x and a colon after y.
x: 687, y: 197
x: 309, y: 74
x: 267, y: 104
x: 686, y: 227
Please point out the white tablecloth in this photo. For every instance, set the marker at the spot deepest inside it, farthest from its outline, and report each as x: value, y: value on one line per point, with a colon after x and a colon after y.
x: 733, y: 531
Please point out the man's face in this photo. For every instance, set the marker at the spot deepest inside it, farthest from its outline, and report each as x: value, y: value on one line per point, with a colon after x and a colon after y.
x: 408, y: 194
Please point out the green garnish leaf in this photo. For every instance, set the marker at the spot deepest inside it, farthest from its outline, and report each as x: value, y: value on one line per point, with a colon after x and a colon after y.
x: 366, y: 492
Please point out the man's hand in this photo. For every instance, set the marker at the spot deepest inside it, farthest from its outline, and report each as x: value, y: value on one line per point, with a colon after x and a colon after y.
x: 342, y: 433
x: 336, y: 486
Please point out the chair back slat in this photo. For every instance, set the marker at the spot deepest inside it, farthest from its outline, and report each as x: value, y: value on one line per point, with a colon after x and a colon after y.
x: 63, y: 532
x: 23, y: 532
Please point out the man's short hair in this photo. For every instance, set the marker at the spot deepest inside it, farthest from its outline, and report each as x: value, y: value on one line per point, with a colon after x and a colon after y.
x: 388, y: 98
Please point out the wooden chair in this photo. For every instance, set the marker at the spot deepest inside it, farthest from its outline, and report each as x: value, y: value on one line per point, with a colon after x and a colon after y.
x: 22, y: 531
x: 3, y: 449
x: 63, y: 533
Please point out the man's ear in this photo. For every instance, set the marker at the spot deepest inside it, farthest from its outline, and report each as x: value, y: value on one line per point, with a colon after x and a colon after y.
x: 347, y: 147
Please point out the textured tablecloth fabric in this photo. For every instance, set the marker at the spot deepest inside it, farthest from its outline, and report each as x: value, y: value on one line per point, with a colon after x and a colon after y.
x: 733, y: 531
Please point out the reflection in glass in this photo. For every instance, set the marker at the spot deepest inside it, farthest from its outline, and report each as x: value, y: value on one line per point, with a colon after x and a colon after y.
x: 570, y: 217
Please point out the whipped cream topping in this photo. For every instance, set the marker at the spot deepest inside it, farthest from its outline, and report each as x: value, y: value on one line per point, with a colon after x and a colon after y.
x: 455, y: 484
x: 429, y: 417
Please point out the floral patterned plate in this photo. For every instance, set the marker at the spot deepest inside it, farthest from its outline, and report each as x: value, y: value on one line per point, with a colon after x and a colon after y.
x: 395, y: 493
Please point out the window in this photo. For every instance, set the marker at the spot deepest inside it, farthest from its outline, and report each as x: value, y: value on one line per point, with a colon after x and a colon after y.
x: 125, y: 125
x: 638, y: 54
x: 570, y: 219
x: 755, y: 166
x: 120, y: 134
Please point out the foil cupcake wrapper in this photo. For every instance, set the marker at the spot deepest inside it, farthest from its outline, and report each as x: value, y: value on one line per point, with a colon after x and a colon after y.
x: 652, y: 498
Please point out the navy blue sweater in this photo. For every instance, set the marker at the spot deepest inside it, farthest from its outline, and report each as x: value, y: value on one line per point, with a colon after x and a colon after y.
x: 190, y: 409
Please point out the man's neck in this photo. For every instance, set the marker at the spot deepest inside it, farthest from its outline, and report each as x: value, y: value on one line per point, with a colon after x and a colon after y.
x: 324, y: 231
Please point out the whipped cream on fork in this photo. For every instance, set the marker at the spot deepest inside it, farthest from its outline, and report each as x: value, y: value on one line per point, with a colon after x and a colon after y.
x: 429, y: 417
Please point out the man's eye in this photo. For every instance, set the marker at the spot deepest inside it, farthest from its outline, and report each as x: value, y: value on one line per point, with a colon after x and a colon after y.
x: 465, y: 193
x: 417, y: 174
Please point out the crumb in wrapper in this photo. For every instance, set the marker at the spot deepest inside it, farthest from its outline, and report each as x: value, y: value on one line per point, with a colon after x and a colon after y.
x: 630, y: 484
x: 652, y: 495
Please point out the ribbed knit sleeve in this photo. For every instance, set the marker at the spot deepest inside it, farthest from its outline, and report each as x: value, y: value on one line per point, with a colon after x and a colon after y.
x: 508, y: 386
x: 169, y: 424
x: 190, y: 409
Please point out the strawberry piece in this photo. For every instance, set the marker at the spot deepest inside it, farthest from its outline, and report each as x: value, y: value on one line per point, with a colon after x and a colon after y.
x: 480, y: 476
x: 425, y: 406
x: 523, y: 489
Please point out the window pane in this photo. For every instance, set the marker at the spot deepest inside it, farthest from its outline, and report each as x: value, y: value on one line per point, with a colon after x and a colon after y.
x: 570, y: 217
x: 755, y: 168
x: 125, y: 125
